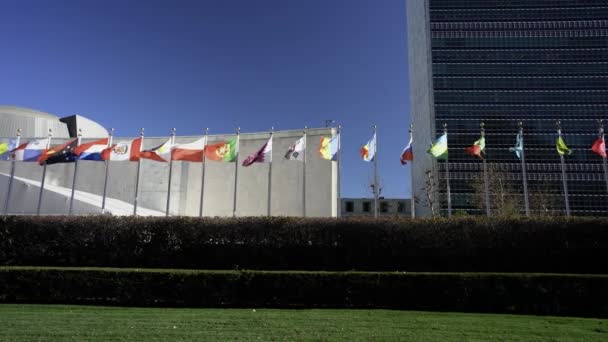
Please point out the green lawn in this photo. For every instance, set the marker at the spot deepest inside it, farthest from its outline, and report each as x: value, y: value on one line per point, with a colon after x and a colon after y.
x: 80, y: 323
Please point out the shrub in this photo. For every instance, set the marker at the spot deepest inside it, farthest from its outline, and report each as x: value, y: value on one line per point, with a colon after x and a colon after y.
x: 558, y: 245
x: 550, y: 294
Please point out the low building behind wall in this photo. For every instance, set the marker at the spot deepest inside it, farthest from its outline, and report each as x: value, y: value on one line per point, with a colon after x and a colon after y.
x: 387, y: 207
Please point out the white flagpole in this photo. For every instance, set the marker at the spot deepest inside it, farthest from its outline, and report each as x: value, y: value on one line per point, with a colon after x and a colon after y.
x: 339, y: 206
x: 412, y: 201
x: 563, y: 164
x: 48, y: 146
x: 105, y: 181
x: 601, y: 135
x: 524, y: 171
x: 200, y: 210
x: 304, y: 174
x: 375, y: 174
x: 70, y: 211
x: 447, y: 174
x: 10, y: 182
x: 485, y: 176
x: 236, y: 170
x: 141, y: 134
x: 170, y: 172
x: 269, y: 206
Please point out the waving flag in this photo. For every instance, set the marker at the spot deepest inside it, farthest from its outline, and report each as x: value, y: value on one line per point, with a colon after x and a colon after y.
x: 123, y: 150
x: 91, y: 150
x: 161, y: 153
x: 224, y: 151
x: 3, y: 148
x: 407, y: 154
x: 519, y: 146
x: 192, y: 152
x: 368, y: 151
x: 30, y: 151
x: 599, y: 147
x: 63, y: 153
x: 297, y: 150
x: 263, y: 155
x: 561, y: 147
x: 329, y: 147
x: 477, y: 149
x: 439, y: 149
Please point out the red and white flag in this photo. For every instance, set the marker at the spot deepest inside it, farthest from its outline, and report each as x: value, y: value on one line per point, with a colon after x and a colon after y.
x: 599, y: 147
x: 123, y: 150
x: 192, y: 152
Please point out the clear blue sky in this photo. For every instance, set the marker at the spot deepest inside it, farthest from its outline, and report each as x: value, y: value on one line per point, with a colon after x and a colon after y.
x: 219, y: 64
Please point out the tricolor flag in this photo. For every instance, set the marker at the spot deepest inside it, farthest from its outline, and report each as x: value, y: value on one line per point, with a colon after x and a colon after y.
x: 263, y: 155
x: 368, y: 151
x: 224, y: 151
x: 519, y: 146
x: 477, y: 149
x: 161, y: 153
x: 123, y: 150
x: 439, y: 149
x: 561, y: 147
x: 192, y: 152
x: 599, y: 147
x: 63, y: 153
x: 407, y: 154
x: 297, y: 150
x: 91, y: 150
x: 329, y: 147
x: 30, y: 151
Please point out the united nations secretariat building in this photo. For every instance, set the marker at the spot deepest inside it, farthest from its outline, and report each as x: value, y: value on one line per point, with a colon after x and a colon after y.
x: 295, y: 189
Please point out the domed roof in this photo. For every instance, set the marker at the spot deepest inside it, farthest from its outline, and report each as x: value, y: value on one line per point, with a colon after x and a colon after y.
x: 20, y: 111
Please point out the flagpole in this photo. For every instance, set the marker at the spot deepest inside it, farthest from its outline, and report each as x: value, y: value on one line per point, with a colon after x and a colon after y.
x: 10, y: 182
x: 339, y: 205
x: 70, y: 211
x: 105, y: 181
x: 524, y: 171
x: 485, y: 175
x: 48, y: 146
x: 269, y: 206
x: 172, y: 142
x: 375, y: 174
x: 141, y: 135
x: 236, y: 170
x: 447, y: 174
x: 200, y: 210
x: 304, y: 174
x: 601, y: 135
x: 564, y: 180
x: 412, y: 202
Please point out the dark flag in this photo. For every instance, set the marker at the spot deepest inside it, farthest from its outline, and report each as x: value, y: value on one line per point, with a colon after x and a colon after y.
x: 60, y: 153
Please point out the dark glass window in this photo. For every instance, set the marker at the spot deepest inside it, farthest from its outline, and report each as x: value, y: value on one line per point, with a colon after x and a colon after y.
x: 350, y: 206
x: 367, y: 207
x: 401, y: 207
x: 384, y: 207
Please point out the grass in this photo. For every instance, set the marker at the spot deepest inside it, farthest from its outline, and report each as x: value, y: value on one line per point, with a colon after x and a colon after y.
x: 85, y: 323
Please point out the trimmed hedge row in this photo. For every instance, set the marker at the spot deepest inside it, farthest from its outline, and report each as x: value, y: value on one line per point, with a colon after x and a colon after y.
x: 557, y: 245
x: 546, y: 294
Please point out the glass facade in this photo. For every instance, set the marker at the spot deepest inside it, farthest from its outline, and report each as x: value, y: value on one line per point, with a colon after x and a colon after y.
x: 536, y: 61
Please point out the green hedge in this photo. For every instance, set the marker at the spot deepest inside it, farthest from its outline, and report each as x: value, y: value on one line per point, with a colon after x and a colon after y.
x: 547, y: 294
x: 558, y: 245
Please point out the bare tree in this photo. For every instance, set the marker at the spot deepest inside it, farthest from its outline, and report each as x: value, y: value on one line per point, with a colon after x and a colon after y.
x: 429, y: 189
x: 503, y: 198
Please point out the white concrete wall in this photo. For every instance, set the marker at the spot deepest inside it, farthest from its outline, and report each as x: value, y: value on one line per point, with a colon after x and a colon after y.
x: 219, y: 182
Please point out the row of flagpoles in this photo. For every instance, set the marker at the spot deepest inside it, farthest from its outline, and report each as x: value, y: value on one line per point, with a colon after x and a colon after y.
x: 228, y: 151
x: 106, y: 150
x: 439, y: 150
